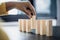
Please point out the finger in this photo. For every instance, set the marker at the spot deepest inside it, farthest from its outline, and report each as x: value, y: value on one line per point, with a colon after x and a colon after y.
x: 32, y: 9
x: 27, y: 12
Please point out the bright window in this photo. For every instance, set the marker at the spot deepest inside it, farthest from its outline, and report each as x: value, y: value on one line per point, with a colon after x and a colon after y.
x: 43, y: 6
x: 46, y: 8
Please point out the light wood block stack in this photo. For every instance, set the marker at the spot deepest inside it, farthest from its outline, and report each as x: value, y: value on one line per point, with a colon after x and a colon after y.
x: 38, y: 27
x: 49, y: 29
x: 42, y: 26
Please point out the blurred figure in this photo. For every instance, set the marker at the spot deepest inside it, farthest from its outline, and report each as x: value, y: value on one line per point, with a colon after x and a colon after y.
x: 3, y: 35
x: 23, y: 6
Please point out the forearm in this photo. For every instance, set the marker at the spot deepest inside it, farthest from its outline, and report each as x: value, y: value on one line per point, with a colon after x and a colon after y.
x: 18, y: 5
x: 23, y: 6
x: 10, y: 5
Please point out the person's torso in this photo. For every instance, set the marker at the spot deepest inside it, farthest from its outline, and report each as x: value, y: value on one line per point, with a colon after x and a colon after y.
x: 3, y: 9
x: 3, y: 35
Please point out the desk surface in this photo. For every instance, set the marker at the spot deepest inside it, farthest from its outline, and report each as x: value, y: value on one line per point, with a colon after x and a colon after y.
x: 12, y: 30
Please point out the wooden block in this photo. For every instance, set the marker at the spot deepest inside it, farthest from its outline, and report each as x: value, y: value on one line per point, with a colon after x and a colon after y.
x: 33, y: 19
x: 27, y: 26
x: 20, y: 22
x: 49, y: 28
x: 22, y: 25
x: 31, y: 23
x: 42, y: 27
x: 38, y: 27
x: 24, y: 28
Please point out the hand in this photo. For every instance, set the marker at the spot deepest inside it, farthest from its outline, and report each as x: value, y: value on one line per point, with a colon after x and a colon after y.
x: 27, y: 8
x: 24, y: 6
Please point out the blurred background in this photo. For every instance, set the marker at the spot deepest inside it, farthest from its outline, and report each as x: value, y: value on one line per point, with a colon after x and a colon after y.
x: 45, y: 9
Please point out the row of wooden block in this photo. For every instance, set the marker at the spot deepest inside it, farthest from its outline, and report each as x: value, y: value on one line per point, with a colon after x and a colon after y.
x: 42, y: 27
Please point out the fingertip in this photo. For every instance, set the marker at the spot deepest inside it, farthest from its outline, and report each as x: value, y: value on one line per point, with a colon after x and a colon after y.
x: 29, y: 16
x: 32, y: 14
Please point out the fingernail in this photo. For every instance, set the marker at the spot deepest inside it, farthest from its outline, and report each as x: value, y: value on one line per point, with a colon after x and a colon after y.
x: 31, y: 13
